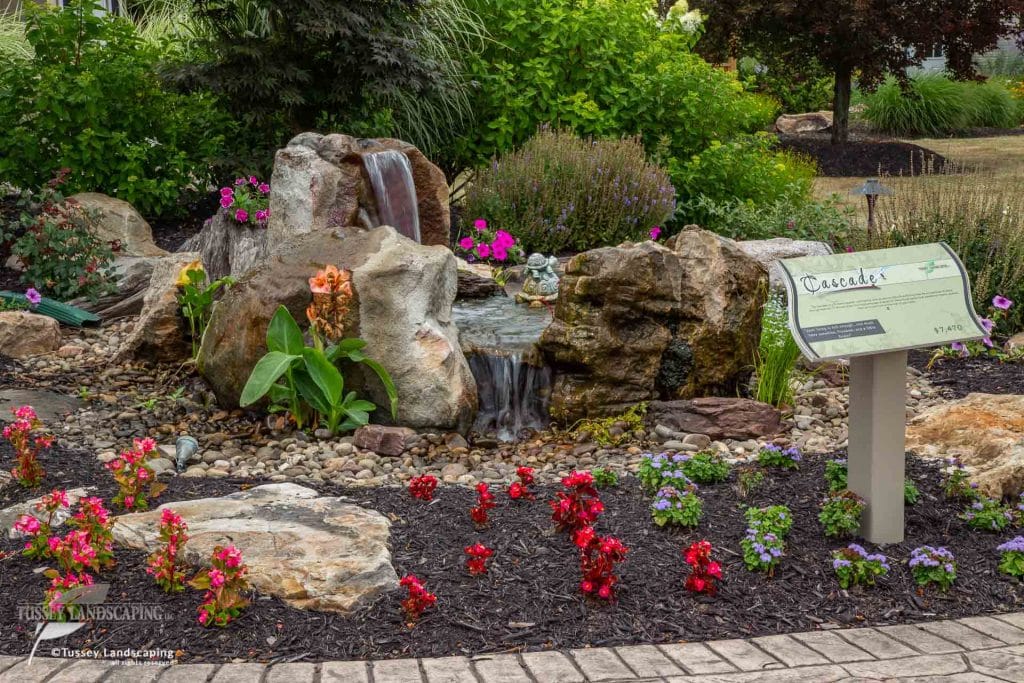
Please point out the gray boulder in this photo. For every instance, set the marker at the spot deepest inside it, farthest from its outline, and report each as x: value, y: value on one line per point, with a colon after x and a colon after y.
x: 117, y: 220
x: 769, y: 252
x: 159, y: 335
x: 227, y: 247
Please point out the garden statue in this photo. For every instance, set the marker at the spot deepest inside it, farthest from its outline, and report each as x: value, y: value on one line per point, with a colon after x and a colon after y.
x: 540, y: 281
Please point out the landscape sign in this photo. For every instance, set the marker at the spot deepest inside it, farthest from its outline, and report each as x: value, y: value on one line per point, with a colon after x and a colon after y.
x: 870, y: 302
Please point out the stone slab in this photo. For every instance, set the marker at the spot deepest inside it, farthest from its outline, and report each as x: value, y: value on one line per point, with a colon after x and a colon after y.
x: 924, y: 665
x: 1011, y: 635
x: 500, y: 669
x: 552, y: 667
x: 967, y: 638
x: 344, y: 672
x: 919, y: 639
x: 743, y: 655
x: 876, y: 643
x: 448, y: 670
x: 788, y: 651
x: 647, y: 661
x: 601, y: 664
x: 832, y: 646
x: 396, y: 671
x: 696, y: 658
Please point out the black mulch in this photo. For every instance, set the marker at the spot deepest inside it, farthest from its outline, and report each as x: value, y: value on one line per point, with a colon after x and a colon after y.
x: 862, y: 157
x: 957, y: 377
x: 530, y: 600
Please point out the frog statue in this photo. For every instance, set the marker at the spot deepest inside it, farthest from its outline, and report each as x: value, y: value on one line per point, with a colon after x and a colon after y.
x: 540, y: 281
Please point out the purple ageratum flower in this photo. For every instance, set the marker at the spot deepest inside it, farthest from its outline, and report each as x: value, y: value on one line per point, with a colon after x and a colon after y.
x: 33, y: 296
x: 765, y: 557
x: 1014, y: 545
x: 241, y: 215
x: 857, y: 549
x: 1001, y: 302
x: 662, y: 504
x: 838, y: 562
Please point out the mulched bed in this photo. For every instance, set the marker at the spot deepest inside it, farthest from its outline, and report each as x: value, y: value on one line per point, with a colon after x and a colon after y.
x: 530, y: 599
x: 867, y: 157
x: 957, y: 377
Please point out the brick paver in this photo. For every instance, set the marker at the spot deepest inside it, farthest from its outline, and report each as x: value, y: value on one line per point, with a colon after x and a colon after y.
x: 970, y: 650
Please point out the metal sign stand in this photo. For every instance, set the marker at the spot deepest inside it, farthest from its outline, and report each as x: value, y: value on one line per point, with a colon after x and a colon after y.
x: 877, y: 442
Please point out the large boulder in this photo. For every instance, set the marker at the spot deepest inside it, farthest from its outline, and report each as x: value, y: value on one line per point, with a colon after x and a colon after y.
x: 24, y: 334
x: 320, y: 182
x: 811, y: 122
x: 985, y: 431
x: 131, y: 275
x: 403, y: 300
x: 313, y: 552
x: 769, y: 252
x: 160, y: 333
x: 118, y: 221
x: 227, y: 247
x: 647, y: 321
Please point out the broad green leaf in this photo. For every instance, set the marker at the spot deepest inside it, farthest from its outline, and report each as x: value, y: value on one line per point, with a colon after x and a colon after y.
x: 267, y: 371
x: 312, y: 394
x: 326, y: 376
x: 344, y: 349
x: 389, y: 385
x: 283, y: 333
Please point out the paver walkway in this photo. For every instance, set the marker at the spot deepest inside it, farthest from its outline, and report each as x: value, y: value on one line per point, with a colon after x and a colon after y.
x: 972, y: 650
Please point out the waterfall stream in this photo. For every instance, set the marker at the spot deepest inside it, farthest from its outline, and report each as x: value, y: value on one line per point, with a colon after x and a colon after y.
x: 390, y: 176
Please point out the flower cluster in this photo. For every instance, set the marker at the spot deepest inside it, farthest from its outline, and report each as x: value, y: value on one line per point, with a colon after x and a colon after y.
x: 520, y: 490
x: 478, y: 554
x: 55, y: 602
x: 1012, y: 559
x: 94, y: 519
x: 579, y: 505
x: 247, y: 201
x: 1000, y: 304
x: 136, y: 480
x: 660, y: 470
x: 497, y: 245
x: 332, y: 299
x: 27, y: 471
x: 765, y: 539
x: 423, y: 486
x: 771, y: 455
x: 163, y: 565
x: 224, y: 582
x: 840, y: 513
x: 484, y: 502
x: 418, y: 598
x: 88, y: 546
x: 933, y: 565
x: 598, y: 557
x: 855, y: 567
x: 706, y: 467
x: 37, y: 546
x: 987, y: 514
x: 956, y: 482
x: 677, y: 506
x: 705, y: 573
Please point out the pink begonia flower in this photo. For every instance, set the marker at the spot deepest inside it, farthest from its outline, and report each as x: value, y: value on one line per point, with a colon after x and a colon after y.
x: 466, y: 243
x: 261, y: 215
x: 227, y: 201
x: 216, y: 578
x: 241, y: 215
x: 482, y: 250
x: 480, y: 224
x: 503, y: 239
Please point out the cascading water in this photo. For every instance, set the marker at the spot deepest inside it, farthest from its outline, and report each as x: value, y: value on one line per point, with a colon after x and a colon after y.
x: 390, y: 176
x: 513, y: 384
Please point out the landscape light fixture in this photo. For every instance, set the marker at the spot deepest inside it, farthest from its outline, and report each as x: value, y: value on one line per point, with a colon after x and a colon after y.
x: 872, y: 189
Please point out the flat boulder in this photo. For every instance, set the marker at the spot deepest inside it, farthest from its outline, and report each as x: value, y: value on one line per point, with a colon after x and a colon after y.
x: 313, y: 552
x: 810, y: 122
x: 24, y: 334
x: 986, y: 433
x: 717, y: 417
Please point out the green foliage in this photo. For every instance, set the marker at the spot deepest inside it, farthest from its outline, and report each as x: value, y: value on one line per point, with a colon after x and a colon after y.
x: 604, y: 478
x: 1011, y: 559
x: 62, y: 257
x: 657, y: 471
x: 764, y: 542
x: 934, y: 105
x: 840, y: 513
x: 930, y: 565
x: 835, y: 478
x: 910, y: 493
x: 559, y: 192
x: 798, y: 87
x: 830, y: 221
x: 771, y: 455
x: 90, y: 100
x: 743, y: 170
x: 615, y: 430
x: 956, y: 483
x: 677, y: 506
x: 748, y: 481
x: 196, y: 300
x: 777, y: 355
x: 855, y: 567
x: 776, y: 519
x: 706, y: 467
x: 988, y: 514
x: 305, y: 380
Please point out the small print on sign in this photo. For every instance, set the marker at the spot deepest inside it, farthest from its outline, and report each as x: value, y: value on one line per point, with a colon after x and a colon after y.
x: 868, y: 302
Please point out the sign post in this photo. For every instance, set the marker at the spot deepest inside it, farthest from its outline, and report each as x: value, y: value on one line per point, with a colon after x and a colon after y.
x: 871, y: 307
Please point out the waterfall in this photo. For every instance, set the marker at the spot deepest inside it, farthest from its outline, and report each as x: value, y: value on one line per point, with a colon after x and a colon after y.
x: 391, y: 178
x: 513, y: 392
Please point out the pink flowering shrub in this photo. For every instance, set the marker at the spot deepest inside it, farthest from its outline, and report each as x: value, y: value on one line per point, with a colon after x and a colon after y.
x: 579, y: 505
x: 487, y: 244
x: 38, y: 532
x: 27, y: 471
x: 478, y: 554
x: 598, y: 557
x: 247, y: 201
x: 418, y: 598
x: 224, y: 582
x: 163, y: 565
x: 89, y: 546
x: 94, y: 520
x: 135, y: 479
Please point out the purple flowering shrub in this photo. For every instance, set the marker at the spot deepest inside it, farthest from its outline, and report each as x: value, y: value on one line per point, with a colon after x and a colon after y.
x: 706, y: 467
x: 765, y: 540
x: 840, y: 513
x: 658, y: 471
x: 855, y: 567
x: 997, y: 312
x: 247, y: 201
x: 679, y: 506
x: 1012, y: 559
x: 771, y: 455
x: 930, y: 565
x: 988, y: 514
x: 956, y: 482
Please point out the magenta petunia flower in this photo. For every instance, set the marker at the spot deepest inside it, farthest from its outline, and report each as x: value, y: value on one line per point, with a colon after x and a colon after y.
x: 987, y: 342
x: 253, y: 180
x: 503, y: 239
x: 239, y: 181
x: 33, y: 296
x: 226, y: 192
x: 960, y: 348
x: 498, y: 252
x: 655, y: 232
x: 466, y: 243
x: 227, y: 201
x: 1001, y: 302
x: 480, y: 224
x: 987, y: 325
x: 263, y: 188
x: 241, y: 215
x: 483, y: 250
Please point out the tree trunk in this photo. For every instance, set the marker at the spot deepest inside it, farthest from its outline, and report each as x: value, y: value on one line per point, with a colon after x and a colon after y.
x: 841, y: 106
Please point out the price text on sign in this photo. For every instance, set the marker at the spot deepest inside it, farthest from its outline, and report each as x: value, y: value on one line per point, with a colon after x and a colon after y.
x: 869, y: 302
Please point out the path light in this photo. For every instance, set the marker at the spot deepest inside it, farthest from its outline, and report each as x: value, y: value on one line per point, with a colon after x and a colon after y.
x: 872, y: 189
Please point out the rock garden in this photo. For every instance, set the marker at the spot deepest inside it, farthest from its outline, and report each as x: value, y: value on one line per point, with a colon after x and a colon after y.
x: 370, y: 399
